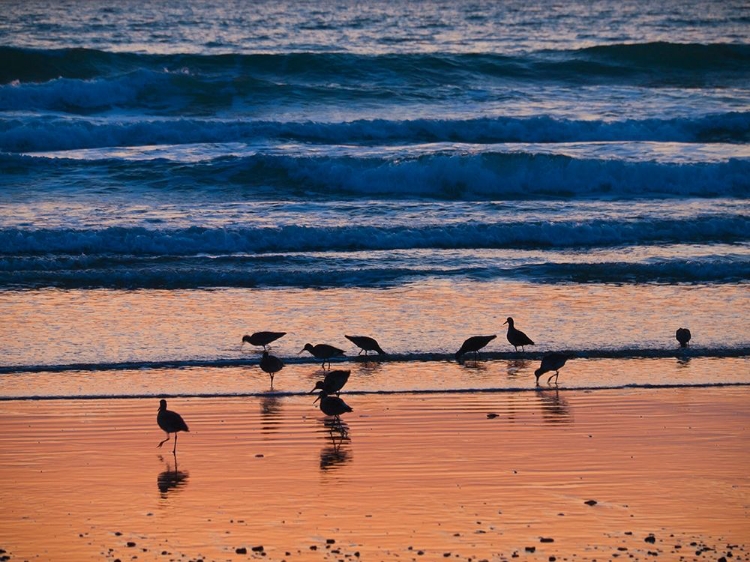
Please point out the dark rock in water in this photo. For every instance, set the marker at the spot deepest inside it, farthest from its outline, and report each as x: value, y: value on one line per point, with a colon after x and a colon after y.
x: 546, y: 539
x: 241, y: 550
x: 258, y: 548
x: 590, y: 502
x: 530, y: 549
x: 330, y: 541
x: 722, y: 559
x: 131, y: 544
x: 492, y: 416
x: 650, y: 539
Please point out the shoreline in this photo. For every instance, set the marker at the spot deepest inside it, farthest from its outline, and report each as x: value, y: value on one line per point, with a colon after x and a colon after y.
x: 434, y: 473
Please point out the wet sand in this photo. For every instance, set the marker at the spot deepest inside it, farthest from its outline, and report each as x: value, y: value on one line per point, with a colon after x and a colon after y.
x: 420, y: 477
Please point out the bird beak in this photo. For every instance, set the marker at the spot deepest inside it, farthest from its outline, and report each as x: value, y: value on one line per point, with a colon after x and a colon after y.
x: 313, y: 390
x: 505, y: 322
x: 300, y: 351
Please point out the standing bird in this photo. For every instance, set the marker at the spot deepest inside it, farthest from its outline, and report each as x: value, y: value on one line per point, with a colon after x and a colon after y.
x: 683, y: 336
x: 365, y: 343
x: 262, y: 338
x: 323, y: 351
x: 332, y: 405
x: 271, y: 365
x: 516, y: 337
x: 171, y: 422
x: 474, y: 343
x: 333, y: 382
x: 551, y: 362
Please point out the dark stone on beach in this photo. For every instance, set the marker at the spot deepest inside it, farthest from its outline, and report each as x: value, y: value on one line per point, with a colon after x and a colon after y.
x: 552, y: 559
x: 530, y: 549
x: 330, y: 541
x: 118, y: 534
x: 590, y: 502
x: 722, y: 559
x: 650, y: 539
x: 356, y: 554
x: 546, y: 539
x: 258, y: 548
x: 313, y: 547
x: 241, y: 550
x: 420, y: 552
x: 131, y: 544
x: 446, y: 554
x: 492, y: 416
x: 514, y: 555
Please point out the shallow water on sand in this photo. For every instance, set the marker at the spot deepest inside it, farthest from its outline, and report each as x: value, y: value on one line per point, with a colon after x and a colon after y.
x: 415, y: 473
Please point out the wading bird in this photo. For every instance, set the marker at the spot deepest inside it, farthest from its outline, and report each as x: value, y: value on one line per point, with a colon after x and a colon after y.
x: 683, y: 336
x: 271, y: 365
x: 262, y: 338
x: 516, y: 337
x: 332, y: 405
x: 474, y: 344
x: 366, y: 344
x: 551, y: 362
x: 323, y: 351
x: 171, y: 422
x: 333, y: 382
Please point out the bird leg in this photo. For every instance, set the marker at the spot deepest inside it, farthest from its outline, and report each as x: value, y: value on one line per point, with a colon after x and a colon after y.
x: 167, y: 439
x: 174, y: 451
x: 555, y: 375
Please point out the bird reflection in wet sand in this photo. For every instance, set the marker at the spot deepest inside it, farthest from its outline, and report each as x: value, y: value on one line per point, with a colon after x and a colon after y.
x: 516, y: 366
x: 335, y: 454
x: 270, y: 413
x: 171, y: 479
x: 333, y: 382
x: 555, y: 409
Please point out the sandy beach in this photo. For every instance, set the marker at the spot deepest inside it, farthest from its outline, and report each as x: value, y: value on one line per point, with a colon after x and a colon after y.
x: 538, y: 475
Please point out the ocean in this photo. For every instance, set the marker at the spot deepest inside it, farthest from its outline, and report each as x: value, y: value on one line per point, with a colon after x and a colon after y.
x: 174, y: 175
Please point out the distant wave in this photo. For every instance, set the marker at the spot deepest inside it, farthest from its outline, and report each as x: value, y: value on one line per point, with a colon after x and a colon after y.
x: 37, y: 134
x: 603, y: 62
x: 253, y: 243
x: 632, y: 353
x: 480, y: 176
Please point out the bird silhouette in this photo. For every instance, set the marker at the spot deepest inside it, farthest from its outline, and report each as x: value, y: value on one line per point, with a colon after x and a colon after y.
x: 271, y: 365
x: 332, y: 405
x: 474, y: 343
x: 332, y: 383
x: 683, y: 336
x: 323, y: 351
x: 262, y: 338
x: 516, y: 337
x: 551, y: 362
x: 170, y: 422
x: 366, y: 344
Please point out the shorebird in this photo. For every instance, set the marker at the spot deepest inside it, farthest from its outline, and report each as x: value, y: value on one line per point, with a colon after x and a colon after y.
x: 262, y: 338
x: 365, y: 343
x: 474, y: 343
x: 333, y: 383
x: 271, y: 365
x: 323, y: 351
x: 683, y: 336
x: 551, y: 362
x: 171, y: 422
x: 516, y: 337
x: 333, y: 405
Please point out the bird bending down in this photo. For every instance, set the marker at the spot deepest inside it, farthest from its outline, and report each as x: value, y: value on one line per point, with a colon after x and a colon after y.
x: 262, y: 338
x: 333, y: 405
x: 271, y: 365
x: 323, y: 351
x: 683, y: 336
x: 551, y: 362
x: 332, y: 384
x: 170, y: 422
x: 516, y: 337
x: 365, y: 343
x: 474, y: 343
